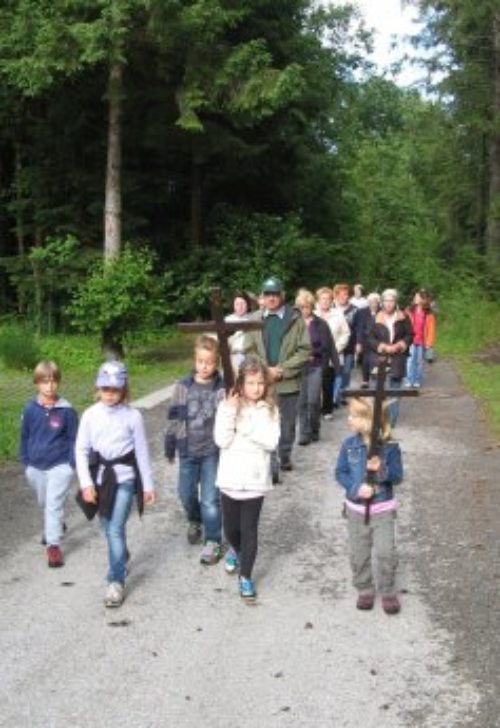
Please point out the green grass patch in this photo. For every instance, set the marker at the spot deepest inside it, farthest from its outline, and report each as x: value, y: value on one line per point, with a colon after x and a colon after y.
x: 153, y: 362
x: 467, y: 327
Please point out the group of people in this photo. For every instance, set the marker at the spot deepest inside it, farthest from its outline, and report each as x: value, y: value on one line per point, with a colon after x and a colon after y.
x: 232, y: 447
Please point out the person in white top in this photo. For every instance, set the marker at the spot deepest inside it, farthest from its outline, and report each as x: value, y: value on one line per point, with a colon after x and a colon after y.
x: 358, y: 299
x: 113, y: 466
x: 340, y: 332
x: 247, y: 430
x: 241, y: 309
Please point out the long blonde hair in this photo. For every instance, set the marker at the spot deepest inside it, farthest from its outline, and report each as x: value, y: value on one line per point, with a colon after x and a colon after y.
x: 363, y: 410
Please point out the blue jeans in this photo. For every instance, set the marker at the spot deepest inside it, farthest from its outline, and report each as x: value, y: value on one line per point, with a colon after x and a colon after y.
x: 393, y: 408
x: 347, y: 368
x: 415, y: 364
x: 114, y: 529
x: 203, y: 506
x: 51, y: 487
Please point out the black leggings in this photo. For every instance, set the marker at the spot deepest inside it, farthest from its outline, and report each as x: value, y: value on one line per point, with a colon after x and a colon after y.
x: 241, y: 522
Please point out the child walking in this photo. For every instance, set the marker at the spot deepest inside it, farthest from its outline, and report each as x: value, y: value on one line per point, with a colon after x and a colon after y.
x: 48, y: 432
x: 190, y: 424
x: 375, y: 538
x: 113, y: 466
x: 247, y: 431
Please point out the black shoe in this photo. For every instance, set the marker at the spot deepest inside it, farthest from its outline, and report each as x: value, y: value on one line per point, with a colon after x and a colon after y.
x: 275, y: 477
x: 344, y: 402
x: 315, y: 437
x: 286, y: 465
x: 305, y: 441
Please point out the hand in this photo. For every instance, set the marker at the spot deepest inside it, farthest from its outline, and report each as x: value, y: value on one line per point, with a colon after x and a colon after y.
x: 275, y: 373
x: 366, y: 491
x: 89, y: 494
x: 373, y: 464
x: 149, y: 497
x: 232, y: 398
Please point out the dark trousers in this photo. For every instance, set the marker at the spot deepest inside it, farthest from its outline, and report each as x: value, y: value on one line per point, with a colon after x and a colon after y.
x: 327, y: 390
x: 288, y: 405
x: 241, y: 522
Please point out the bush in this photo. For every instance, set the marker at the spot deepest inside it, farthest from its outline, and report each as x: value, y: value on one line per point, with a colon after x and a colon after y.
x: 119, y: 297
x: 19, y: 348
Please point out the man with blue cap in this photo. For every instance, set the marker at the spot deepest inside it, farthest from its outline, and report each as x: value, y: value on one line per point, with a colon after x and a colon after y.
x: 283, y: 344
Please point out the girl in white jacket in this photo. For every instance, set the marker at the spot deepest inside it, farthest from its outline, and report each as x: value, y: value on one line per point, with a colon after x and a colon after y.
x: 247, y: 431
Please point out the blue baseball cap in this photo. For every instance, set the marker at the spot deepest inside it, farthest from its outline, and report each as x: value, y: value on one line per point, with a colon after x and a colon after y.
x: 112, y: 374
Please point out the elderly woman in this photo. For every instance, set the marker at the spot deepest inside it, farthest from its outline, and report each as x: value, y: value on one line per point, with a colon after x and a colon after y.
x: 341, y: 332
x: 364, y: 321
x: 390, y: 335
x: 323, y: 355
x: 241, y: 308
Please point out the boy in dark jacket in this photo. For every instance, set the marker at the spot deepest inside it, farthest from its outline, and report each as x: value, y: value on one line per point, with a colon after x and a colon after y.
x: 190, y: 425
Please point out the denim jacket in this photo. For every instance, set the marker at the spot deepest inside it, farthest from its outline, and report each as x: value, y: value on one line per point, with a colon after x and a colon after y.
x: 350, y: 470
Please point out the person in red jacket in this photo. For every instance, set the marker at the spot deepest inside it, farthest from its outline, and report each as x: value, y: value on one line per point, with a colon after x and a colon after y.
x: 424, y: 336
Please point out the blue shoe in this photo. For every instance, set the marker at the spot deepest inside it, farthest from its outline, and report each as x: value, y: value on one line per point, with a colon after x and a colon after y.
x: 247, y: 589
x: 231, y: 562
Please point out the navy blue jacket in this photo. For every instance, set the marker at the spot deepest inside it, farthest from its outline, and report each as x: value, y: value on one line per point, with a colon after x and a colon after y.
x: 48, y: 434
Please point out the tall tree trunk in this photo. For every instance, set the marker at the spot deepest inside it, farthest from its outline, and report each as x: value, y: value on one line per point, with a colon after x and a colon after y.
x: 493, y: 228
x: 113, y: 200
x: 196, y: 201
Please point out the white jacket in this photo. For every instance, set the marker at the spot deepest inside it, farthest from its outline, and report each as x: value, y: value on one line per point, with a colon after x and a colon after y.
x: 338, y: 326
x: 246, y: 436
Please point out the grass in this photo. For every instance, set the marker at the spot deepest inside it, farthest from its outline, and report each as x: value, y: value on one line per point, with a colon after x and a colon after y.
x: 153, y: 363
x: 468, y: 327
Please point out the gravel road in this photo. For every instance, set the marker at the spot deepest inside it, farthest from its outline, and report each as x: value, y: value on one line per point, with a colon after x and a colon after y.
x: 184, y: 651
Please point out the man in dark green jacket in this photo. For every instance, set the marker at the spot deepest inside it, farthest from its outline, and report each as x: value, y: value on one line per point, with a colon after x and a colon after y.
x: 283, y: 344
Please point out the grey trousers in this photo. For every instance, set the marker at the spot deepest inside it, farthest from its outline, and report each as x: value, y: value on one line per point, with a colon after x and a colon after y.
x: 310, y: 403
x: 374, y: 540
x: 287, y: 404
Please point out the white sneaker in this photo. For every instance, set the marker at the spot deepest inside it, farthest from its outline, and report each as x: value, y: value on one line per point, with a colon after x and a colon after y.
x: 115, y: 594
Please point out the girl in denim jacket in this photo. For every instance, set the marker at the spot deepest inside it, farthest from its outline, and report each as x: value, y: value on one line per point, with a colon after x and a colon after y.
x: 375, y: 538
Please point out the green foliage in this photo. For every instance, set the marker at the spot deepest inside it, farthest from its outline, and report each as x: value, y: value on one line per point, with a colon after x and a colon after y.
x: 120, y: 296
x: 46, y: 277
x: 19, y: 348
x: 245, y: 249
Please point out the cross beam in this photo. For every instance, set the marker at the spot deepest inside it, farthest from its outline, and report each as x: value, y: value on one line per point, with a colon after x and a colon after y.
x: 223, y: 329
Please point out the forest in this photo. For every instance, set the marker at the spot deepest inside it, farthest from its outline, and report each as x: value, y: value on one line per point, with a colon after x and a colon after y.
x: 150, y: 149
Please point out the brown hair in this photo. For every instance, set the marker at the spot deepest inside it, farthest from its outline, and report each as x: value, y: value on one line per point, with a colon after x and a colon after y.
x: 253, y: 365
x: 363, y: 409
x: 341, y: 287
x: 207, y: 343
x: 46, y: 370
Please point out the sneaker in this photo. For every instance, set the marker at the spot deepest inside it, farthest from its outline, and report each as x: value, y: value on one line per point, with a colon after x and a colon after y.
x: 391, y: 604
x: 407, y: 384
x: 211, y: 553
x: 231, y: 562
x: 328, y: 416
x: 54, y: 557
x: 304, y: 441
x: 115, y: 594
x: 194, y: 532
x: 247, y: 589
x: 416, y: 385
x: 286, y: 464
x: 365, y: 601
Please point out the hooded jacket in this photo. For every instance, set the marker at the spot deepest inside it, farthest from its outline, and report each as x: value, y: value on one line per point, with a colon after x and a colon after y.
x: 48, y: 434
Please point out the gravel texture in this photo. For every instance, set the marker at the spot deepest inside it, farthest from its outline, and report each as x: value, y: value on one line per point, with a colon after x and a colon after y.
x: 184, y: 651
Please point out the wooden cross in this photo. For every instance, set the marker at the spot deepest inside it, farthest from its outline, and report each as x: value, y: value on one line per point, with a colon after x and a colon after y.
x: 223, y: 329
x: 379, y: 394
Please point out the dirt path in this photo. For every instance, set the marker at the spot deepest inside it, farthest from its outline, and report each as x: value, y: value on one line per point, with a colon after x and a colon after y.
x: 183, y: 650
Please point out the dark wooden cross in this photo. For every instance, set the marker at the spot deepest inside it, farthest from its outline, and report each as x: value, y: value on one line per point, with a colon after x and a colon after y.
x: 380, y: 393
x: 223, y: 329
